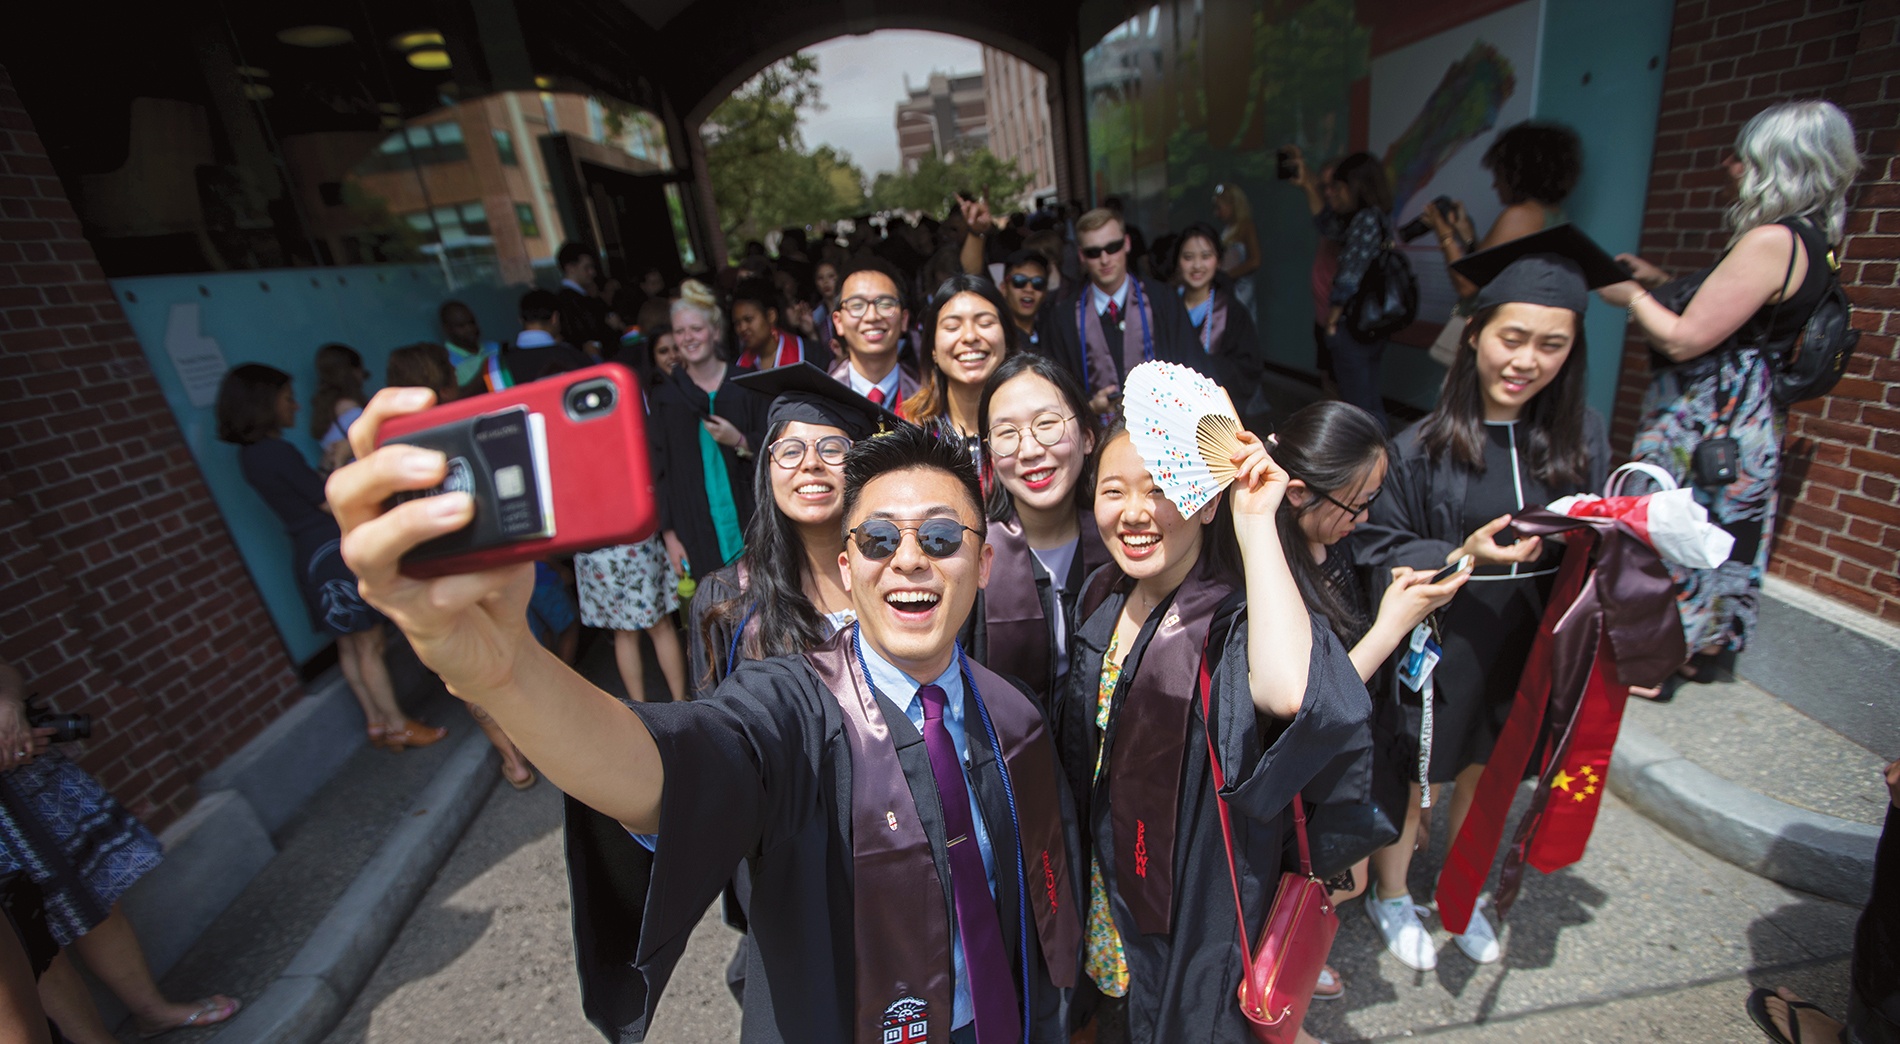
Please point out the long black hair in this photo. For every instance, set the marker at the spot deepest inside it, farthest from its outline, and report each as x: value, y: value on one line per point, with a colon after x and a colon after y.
x: 1073, y: 397
x: 1328, y: 446
x: 932, y: 398
x: 247, y: 403
x: 773, y: 565
x: 1554, y: 418
x: 1364, y: 174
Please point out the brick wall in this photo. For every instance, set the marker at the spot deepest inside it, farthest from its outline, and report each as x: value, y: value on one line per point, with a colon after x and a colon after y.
x: 121, y: 594
x: 1728, y: 59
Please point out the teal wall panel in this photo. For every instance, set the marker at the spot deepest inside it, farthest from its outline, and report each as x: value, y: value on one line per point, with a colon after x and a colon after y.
x: 194, y: 327
x: 1601, y: 71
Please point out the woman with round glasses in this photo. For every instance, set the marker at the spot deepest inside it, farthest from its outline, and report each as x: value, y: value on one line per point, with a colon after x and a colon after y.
x: 784, y: 594
x: 1222, y: 322
x: 969, y: 339
x: 1039, y: 432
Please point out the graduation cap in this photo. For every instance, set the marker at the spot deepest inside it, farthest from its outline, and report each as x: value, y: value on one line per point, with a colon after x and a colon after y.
x: 1557, y: 266
x: 803, y: 392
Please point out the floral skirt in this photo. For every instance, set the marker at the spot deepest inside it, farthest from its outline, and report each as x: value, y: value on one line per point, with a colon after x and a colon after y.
x: 82, y: 848
x: 626, y: 588
x: 1720, y: 393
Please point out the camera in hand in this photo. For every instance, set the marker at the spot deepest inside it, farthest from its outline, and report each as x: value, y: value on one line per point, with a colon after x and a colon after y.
x: 67, y: 728
x: 1417, y: 226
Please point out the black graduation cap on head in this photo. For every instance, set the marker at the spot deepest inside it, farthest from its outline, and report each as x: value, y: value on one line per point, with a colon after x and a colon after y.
x: 803, y: 392
x: 1557, y: 266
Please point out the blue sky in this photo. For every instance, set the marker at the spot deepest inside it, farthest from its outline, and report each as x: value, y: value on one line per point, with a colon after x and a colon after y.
x: 862, y: 80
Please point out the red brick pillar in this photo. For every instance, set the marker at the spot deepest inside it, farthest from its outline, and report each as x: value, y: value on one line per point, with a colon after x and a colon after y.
x: 121, y: 593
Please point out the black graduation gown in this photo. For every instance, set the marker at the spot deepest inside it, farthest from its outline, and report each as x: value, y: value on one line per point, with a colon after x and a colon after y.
x: 584, y: 319
x: 1234, y: 353
x: 760, y: 774
x: 1182, y: 984
x: 679, y: 475
x: 1424, y: 510
x: 707, y: 648
x: 1057, y: 336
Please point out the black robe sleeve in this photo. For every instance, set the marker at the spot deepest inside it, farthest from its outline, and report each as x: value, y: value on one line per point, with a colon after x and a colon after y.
x: 1237, y: 362
x: 1596, y: 438
x: 1411, y: 522
x: 741, y: 779
x: 1331, y: 722
x: 1175, y: 339
x: 707, y: 648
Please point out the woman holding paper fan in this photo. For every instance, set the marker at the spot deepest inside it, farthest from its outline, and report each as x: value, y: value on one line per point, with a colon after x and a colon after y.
x: 1198, y: 579
x: 1039, y: 430
x: 1510, y: 432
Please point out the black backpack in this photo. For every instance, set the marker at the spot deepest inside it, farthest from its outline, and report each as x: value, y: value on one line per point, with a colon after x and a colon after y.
x: 1811, y: 364
x: 1806, y: 366
x: 1387, y: 300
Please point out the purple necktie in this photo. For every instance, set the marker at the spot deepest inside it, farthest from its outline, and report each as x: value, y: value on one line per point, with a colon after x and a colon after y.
x: 992, y: 994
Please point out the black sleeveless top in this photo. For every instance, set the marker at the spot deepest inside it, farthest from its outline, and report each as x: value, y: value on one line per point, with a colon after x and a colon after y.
x: 1778, y: 324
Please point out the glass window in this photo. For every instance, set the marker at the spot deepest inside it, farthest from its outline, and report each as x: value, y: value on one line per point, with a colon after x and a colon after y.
x: 447, y: 133
x: 524, y: 216
x: 505, y: 146
x: 474, y: 219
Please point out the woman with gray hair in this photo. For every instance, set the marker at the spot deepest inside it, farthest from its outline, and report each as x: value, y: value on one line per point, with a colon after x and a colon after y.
x: 1711, y: 364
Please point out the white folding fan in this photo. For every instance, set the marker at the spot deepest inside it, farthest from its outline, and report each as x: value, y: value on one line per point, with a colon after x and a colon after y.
x: 1185, y: 428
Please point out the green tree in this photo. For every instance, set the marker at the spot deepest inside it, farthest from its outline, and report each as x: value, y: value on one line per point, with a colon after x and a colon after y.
x: 763, y: 175
x: 933, y: 186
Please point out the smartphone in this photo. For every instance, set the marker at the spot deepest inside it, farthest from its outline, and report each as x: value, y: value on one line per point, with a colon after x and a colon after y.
x: 555, y: 466
x: 1463, y: 563
x: 1283, y: 166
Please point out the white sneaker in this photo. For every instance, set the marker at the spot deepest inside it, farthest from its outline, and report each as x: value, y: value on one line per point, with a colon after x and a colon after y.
x: 1479, y: 942
x: 1397, y: 920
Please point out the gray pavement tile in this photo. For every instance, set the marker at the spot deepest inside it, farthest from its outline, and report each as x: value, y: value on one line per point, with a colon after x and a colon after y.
x: 1747, y: 736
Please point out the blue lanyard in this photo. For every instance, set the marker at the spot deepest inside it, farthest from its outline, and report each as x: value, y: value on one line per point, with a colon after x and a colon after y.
x: 1009, y: 797
x: 1082, y: 327
x: 732, y: 650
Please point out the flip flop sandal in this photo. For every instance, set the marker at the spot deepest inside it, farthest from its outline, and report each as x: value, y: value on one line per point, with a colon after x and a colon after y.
x: 210, y: 1012
x: 1330, y: 985
x: 1757, y: 1008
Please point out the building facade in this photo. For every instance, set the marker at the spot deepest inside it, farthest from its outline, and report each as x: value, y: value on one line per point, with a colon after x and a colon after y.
x: 1016, y: 97
x: 949, y: 111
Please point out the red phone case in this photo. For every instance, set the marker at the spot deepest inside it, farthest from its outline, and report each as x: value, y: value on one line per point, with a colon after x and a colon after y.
x: 598, y: 468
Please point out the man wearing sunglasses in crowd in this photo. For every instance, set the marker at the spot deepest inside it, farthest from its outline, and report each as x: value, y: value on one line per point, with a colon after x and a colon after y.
x: 872, y: 321
x: 899, y: 809
x: 1025, y: 286
x: 1116, y: 320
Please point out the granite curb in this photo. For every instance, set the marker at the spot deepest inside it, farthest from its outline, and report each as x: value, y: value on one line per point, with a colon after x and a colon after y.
x: 1816, y: 853
x: 312, y: 993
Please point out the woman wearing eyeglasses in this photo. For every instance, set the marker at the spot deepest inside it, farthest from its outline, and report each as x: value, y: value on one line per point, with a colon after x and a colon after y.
x: 1222, y: 322
x: 1210, y: 588
x: 1039, y: 432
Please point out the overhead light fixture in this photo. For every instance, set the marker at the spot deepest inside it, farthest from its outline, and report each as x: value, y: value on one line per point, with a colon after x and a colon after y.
x: 417, y: 40
x: 315, y: 35
x: 546, y: 83
x: 429, y: 59
x: 257, y: 92
x: 252, y: 72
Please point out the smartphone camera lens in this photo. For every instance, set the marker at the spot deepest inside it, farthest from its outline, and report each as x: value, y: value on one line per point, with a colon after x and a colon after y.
x: 591, y: 399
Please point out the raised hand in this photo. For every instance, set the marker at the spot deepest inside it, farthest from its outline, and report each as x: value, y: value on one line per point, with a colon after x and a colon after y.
x: 1260, y: 483
x: 1483, y: 547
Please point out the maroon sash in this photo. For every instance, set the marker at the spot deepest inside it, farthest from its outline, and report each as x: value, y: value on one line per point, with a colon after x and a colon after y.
x: 1096, y: 347
x: 1015, y: 631
x: 902, y: 935
x: 1151, y: 733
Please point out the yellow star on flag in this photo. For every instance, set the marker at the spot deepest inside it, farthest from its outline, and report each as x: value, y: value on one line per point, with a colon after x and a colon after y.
x: 1563, y: 781
x: 1579, y: 797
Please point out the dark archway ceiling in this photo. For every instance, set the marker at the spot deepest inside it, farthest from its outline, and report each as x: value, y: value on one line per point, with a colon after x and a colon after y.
x: 695, y: 52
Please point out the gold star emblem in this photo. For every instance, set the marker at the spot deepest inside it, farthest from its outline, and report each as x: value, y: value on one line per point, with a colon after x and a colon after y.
x: 1578, y: 797
x: 1563, y: 781
x: 1590, y: 790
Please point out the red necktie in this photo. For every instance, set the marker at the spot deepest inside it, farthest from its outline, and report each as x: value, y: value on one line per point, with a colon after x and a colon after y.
x: 985, y: 962
x: 1114, y: 312
x: 876, y: 395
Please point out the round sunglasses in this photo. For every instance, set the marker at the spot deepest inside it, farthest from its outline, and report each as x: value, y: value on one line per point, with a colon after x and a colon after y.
x: 879, y: 538
x: 1022, y: 282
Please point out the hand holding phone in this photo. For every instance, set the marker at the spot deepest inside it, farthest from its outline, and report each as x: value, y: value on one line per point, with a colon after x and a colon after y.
x: 1464, y: 563
x: 552, y: 467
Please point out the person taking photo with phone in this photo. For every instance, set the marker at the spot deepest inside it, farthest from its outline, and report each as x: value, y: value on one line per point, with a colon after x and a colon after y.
x: 922, y: 918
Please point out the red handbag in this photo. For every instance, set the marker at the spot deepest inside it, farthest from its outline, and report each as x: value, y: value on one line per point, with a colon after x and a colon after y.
x: 1277, y: 979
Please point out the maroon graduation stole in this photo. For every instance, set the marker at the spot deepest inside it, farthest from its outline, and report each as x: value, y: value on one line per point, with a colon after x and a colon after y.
x: 1611, y: 623
x: 902, y: 932
x: 1151, y: 734
x: 1015, y: 629
x: 1098, y: 366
